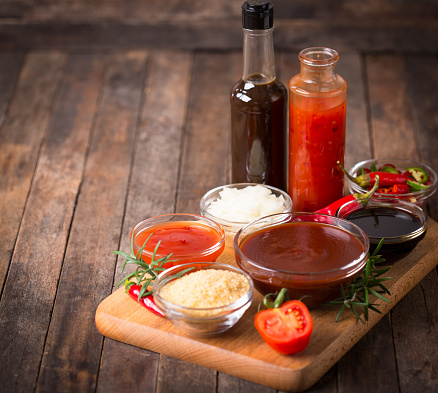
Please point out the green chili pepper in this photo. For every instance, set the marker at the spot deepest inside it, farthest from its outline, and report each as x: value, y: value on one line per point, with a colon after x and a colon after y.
x: 416, y: 186
x: 419, y: 174
x: 389, y: 169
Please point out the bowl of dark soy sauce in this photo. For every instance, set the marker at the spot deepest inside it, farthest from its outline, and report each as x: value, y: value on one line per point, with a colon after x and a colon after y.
x: 401, y: 224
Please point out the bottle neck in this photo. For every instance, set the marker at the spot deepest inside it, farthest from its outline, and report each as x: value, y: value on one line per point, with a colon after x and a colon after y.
x: 318, y: 65
x: 258, y: 56
x: 320, y: 74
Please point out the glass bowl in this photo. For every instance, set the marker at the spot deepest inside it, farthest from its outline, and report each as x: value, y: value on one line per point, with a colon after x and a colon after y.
x: 400, y: 223
x: 244, y: 209
x: 205, y: 321
x: 190, y: 237
x: 310, y: 254
x: 420, y: 198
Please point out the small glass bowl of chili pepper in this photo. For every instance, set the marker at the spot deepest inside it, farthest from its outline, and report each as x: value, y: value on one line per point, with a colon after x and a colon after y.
x: 188, y: 237
x: 399, y: 178
x: 203, y: 299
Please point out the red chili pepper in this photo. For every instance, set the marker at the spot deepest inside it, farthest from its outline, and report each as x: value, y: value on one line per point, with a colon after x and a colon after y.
x: 146, y: 301
x: 395, y: 189
x: 334, y: 207
x: 386, y: 179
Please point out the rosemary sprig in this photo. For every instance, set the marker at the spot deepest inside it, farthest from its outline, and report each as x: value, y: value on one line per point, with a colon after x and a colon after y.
x: 145, y: 273
x: 369, y: 281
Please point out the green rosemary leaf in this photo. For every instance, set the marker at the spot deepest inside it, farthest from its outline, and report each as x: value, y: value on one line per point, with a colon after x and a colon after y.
x: 379, y: 295
x: 143, y: 291
x: 384, y: 289
x: 340, y: 312
x: 126, y: 278
x: 357, y: 315
x: 371, y: 307
x: 359, y: 304
x: 355, y: 296
x: 379, y: 272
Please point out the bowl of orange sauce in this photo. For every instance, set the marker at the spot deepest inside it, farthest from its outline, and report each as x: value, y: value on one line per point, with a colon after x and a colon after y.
x: 188, y: 237
x: 310, y: 254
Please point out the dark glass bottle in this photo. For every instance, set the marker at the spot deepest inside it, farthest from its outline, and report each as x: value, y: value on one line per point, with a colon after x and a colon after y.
x: 259, y: 105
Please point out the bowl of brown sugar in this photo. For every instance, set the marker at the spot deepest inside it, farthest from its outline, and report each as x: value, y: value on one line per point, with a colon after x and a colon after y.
x: 203, y: 298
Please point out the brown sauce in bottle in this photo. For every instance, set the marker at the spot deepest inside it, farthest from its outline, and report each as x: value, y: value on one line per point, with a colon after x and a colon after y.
x: 258, y: 128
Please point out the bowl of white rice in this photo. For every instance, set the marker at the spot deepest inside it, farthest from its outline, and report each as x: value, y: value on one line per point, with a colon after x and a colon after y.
x: 235, y: 205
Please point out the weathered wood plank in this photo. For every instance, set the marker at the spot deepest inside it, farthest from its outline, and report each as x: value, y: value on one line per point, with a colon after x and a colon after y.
x: 395, y: 134
x: 71, y: 359
x: 415, y: 326
x: 370, y: 364
x: 20, y: 139
x: 416, y: 36
x: 204, y: 165
x: 422, y: 81
x: 10, y: 66
x: 358, y: 144
x: 175, y: 375
x: 31, y: 286
x: 184, y: 10
x: 154, y: 177
x: 393, y: 128
x: 206, y: 156
x: 152, y: 192
x: 227, y: 383
x: 126, y: 368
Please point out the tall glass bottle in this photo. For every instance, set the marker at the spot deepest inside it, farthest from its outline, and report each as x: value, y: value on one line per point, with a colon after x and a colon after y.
x: 259, y: 105
x: 317, y: 106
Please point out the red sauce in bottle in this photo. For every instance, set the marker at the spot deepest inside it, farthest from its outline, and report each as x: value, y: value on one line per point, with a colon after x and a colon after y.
x: 188, y: 241
x: 316, y: 143
x: 317, y: 108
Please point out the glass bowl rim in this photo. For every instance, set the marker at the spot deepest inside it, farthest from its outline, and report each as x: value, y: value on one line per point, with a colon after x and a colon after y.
x: 421, y: 193
x: 227, y: 309
x: 210, y: 223
x: 360, y: 260
x: 392, y: 239
x: 226, y: 222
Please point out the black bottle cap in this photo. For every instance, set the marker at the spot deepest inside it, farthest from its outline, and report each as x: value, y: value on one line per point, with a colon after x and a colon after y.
x: 257, y: 15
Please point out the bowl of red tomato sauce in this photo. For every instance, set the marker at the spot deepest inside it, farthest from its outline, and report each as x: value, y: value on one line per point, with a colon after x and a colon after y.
x: 187, y: 237
x: 310, y: 254
x: 403, y: 179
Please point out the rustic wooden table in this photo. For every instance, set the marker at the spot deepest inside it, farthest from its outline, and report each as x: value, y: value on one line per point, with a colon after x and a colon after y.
x: 93, y: 141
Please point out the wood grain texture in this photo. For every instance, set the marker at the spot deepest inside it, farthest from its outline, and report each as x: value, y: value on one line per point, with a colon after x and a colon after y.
x: 152, y: 190
x: 417, y: 353
x: 21, y: 136
x: 416, y: 36
x: 206, y: 152
x: 71, y: 360
x: 25, y: 309
x: 10, y: 66
x: 374, y: 25
x: 422, y: 79
x: 74, y: 180
x: 183, y: 10
x: 241, y: 352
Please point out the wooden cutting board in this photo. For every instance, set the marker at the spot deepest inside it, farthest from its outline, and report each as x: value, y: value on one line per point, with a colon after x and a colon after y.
x: 241, y: 351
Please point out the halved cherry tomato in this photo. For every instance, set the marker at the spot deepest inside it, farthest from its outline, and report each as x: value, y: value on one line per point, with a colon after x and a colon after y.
x: 286, y: 329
